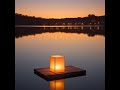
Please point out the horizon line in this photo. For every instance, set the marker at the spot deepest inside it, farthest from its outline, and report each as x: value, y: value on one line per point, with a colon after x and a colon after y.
x: 57, y: 18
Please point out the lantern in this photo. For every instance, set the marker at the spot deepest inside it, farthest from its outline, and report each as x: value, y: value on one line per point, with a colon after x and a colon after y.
x: 57, y: 85
x: 57, y: 63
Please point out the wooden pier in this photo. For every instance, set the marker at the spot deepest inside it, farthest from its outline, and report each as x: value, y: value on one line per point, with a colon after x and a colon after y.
x: 70, y: 71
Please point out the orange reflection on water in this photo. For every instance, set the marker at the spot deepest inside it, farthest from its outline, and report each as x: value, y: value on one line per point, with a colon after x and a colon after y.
x: 58, y: 39
x: 60, y: 42
x: 57, y: 85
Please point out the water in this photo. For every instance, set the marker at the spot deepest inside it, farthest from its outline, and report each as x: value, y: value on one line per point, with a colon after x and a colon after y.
x: 33, y: 48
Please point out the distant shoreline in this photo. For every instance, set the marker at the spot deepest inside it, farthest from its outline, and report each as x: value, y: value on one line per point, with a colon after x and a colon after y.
x: 90, y: 20
x: 59, y: 25
x: 32, y: 30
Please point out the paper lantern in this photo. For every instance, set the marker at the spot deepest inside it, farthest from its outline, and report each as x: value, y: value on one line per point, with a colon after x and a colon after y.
x: 57, y: 63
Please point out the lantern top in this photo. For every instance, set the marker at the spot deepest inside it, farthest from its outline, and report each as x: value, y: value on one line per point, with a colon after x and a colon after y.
x: 56, y: 56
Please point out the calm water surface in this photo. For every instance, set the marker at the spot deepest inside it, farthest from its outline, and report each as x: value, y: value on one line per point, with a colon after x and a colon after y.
x: 80, y: 50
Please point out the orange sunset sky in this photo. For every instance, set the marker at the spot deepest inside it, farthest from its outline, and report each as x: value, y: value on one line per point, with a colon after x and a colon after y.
x: 60, y: 8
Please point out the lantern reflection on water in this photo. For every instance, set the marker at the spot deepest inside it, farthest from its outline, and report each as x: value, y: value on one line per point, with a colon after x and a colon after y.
x: 57, y: 85
x: 57, y: 63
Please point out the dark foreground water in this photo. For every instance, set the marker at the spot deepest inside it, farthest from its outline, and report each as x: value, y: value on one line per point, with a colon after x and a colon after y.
x: 32, y: 50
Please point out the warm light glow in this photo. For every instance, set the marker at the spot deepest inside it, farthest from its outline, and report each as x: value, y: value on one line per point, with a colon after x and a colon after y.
x: 57, y: 85
x: 81, y: 27
x: 57, y: 63
x: 63, y: 23
x: 98, y: 28
x: 90, y: 27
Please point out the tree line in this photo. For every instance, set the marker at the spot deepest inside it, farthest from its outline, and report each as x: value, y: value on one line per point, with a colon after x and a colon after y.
x: 32, y: 20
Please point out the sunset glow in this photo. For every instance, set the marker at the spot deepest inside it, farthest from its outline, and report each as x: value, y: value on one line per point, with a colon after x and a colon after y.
x: 60, y: 8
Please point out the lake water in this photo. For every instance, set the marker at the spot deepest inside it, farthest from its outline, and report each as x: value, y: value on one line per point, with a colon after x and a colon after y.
x: 33, y: 48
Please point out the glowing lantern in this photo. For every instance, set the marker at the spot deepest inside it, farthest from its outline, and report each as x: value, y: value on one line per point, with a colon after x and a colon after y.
x: 57, y: 63
x: 57, y: 85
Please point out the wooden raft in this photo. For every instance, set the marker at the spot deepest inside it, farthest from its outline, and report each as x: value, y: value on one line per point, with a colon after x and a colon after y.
x: 70, y: 71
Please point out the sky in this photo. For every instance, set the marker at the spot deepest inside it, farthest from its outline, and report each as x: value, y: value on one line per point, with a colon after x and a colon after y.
x: 60, y: 8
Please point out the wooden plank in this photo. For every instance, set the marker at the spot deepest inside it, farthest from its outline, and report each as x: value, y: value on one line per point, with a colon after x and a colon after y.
x: 70, y: 71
